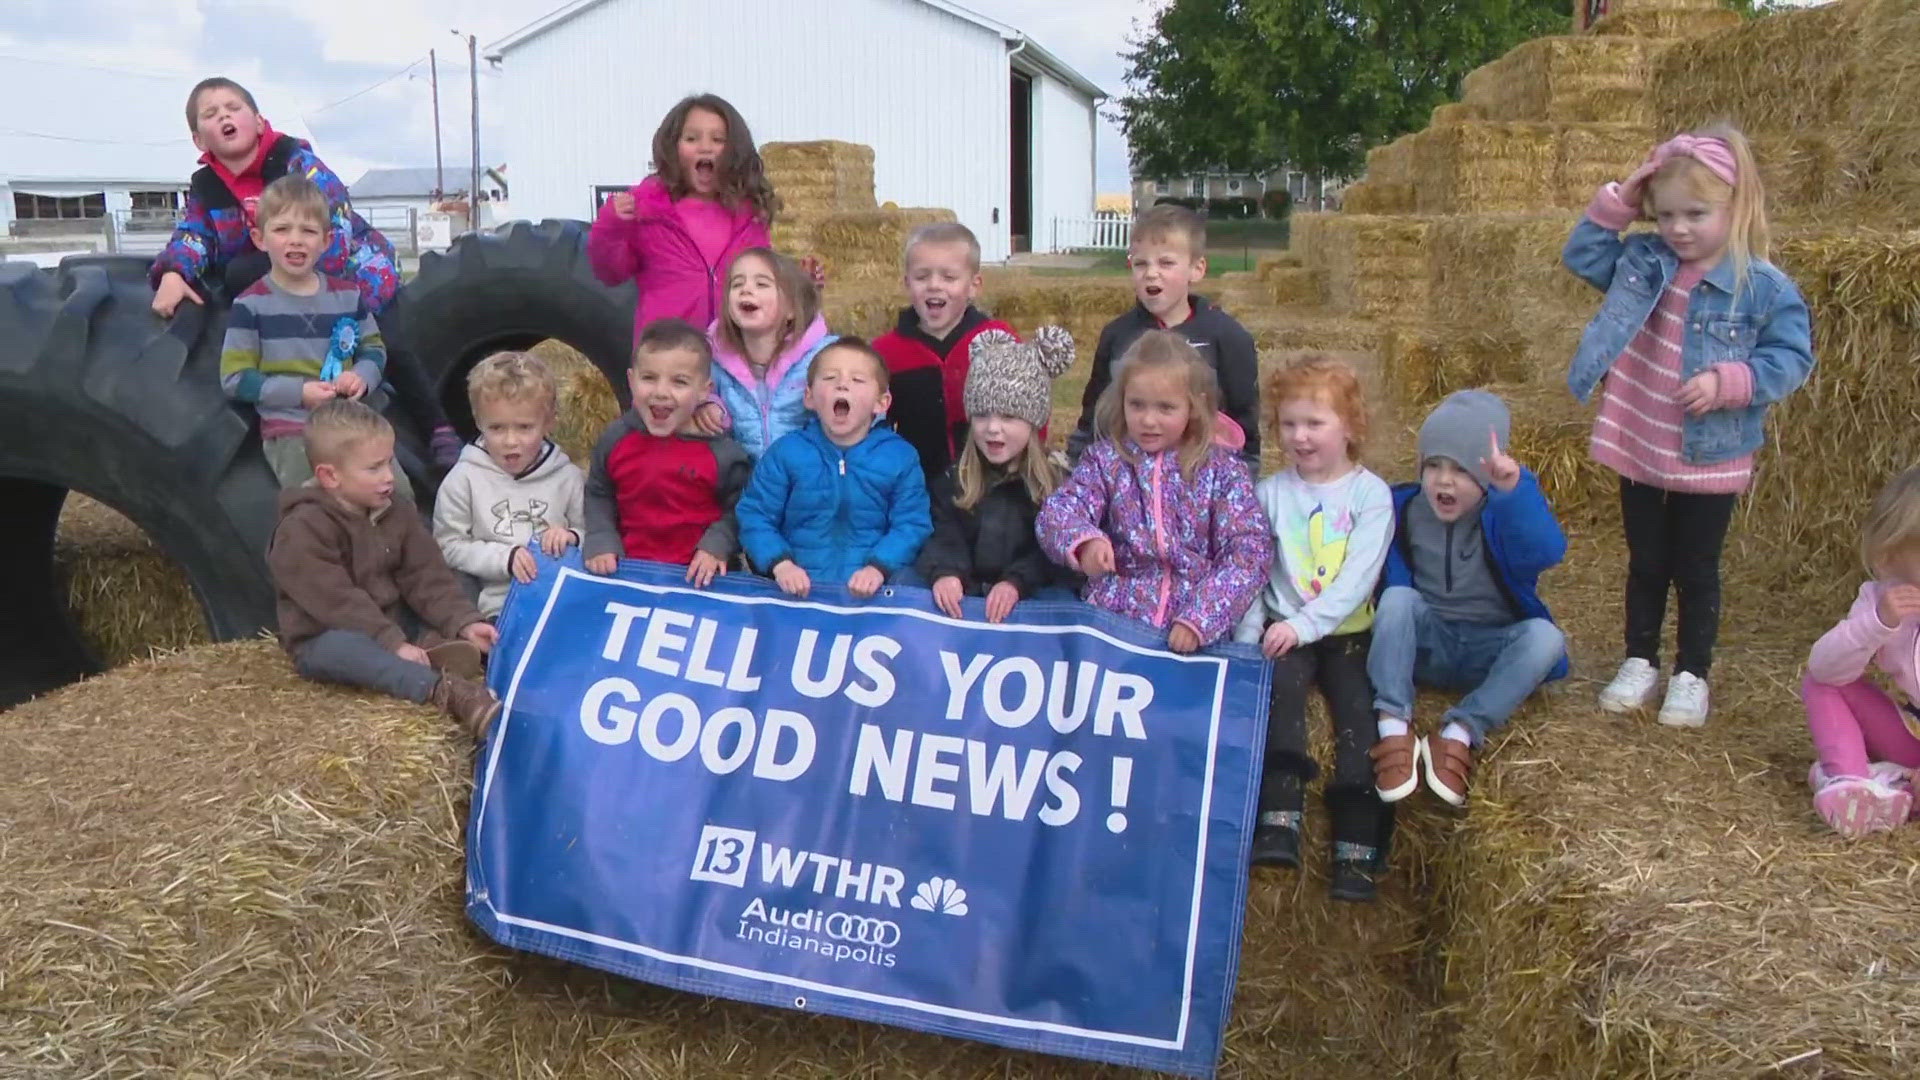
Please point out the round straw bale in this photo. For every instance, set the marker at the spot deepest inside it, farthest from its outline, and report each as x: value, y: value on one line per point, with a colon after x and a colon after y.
x: 126, y: 596
x: 586, y: 402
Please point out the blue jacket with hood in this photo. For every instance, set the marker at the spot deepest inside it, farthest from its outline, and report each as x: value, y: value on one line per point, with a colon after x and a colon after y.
x: 833, y: 509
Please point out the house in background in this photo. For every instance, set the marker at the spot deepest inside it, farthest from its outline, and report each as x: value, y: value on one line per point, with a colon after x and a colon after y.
x: 1303, y: 188
x: 962, y: 112
x: 393, y: 199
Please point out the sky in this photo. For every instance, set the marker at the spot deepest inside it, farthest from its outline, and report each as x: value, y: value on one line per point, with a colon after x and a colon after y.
x: 352, y: 74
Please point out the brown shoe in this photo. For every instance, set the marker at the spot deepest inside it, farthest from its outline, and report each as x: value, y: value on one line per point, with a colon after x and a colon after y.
x: 460, y: 659
x: 1449, y: 764
x: 471, y: 703
x: 1396, y: 769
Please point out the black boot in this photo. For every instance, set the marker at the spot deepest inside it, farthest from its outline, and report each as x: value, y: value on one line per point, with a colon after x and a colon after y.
x: 1351, y: 880
x: 1276, y: 845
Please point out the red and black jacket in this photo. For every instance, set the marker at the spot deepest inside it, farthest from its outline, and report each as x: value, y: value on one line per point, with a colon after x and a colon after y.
x: 929, y: 382
x: 662, y: 499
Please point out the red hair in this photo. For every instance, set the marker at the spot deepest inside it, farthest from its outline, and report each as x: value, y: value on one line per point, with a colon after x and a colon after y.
x: 1320, y: 378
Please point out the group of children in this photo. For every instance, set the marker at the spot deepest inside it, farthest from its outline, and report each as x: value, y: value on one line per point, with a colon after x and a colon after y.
x: 758, y: 440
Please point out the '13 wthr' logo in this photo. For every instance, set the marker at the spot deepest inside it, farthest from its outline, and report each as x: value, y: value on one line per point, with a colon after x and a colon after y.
x: 723, y: 855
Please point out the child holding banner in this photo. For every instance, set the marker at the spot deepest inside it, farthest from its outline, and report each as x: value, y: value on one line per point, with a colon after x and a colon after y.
x: 1161, y: 519
x: 983, y: 508
x: 1332, y: 520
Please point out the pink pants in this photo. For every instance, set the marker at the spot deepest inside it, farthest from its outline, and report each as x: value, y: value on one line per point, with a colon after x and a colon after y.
x: 1855, y: 725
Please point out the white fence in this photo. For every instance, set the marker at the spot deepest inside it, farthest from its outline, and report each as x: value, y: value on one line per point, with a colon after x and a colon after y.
x: 1102, y: 233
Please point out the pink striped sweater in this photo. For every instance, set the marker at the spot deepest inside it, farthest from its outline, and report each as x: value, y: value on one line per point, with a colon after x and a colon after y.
x: 1637, y: 433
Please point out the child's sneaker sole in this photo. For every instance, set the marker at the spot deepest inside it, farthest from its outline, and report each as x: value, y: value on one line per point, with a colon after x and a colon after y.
x: 1855, y: 807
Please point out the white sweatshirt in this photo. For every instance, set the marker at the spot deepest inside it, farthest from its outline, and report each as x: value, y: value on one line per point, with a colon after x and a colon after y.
x: 481, y: 514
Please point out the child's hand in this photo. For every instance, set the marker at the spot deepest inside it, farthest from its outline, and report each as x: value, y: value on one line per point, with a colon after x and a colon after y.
x: 1700, y: 392
x: 792, y: 580
x: 411, y: 653
x: 702, y: 569
x: 1000, y: 601
x: 623, y: 205
x: 709, y: 419
x: 172, y: 289
x: 555, y: 540
x: 482, y: 634
x: 349, y: 385
x: 947, y: 592
x: 865, y: 582
x: 1501, y: 469
x: 813, y: 269
x: 523, y: 567
x: 1095, y: 557
x: 315, y: 394
x: 1279, y: 640
x: 1898, y: 603
x: 603, y: 564
x: 1182, y: 639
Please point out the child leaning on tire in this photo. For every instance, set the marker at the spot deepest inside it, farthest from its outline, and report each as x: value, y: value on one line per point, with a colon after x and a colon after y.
x: 213, y: 243
x: 364, y: 598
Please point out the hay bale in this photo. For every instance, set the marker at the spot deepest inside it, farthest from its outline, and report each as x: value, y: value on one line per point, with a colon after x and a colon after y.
x: 1499, y: 276
x: 128, y: 598
x: 289, y: 902
x: 859, y: 245
x: 1585, y: 79
x: 1295, y: 285
x: 1421, y: 366
x: 1667, y: 22
x: 587, y: 403
x: 1455, y: 112
x: 820, y: 177
x: 1375, y: 265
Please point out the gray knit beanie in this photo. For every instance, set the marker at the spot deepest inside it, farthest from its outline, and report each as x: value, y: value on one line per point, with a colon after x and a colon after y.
x: 1015, y: 378
x: 1458, y: 429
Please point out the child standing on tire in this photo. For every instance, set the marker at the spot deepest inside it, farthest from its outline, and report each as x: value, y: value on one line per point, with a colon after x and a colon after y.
x: 213, y: 243
x: 1699, y: 335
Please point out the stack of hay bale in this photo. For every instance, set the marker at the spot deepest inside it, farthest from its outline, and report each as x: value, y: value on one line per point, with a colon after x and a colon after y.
x: 828, y: 210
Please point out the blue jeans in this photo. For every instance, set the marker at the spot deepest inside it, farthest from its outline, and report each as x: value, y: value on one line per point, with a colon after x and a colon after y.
x: 1498, y: 666
x: 350, y: 659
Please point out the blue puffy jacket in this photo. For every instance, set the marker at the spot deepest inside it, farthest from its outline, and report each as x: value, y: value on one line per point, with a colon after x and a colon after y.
x: 835, y: 510
x: 765, y: 409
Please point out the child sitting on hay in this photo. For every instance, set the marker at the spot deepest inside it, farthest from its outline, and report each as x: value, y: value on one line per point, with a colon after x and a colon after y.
x: 364, y: 597
x: 1460, y: 607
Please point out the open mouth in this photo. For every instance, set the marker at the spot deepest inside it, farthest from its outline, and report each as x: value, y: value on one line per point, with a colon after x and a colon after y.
x: 747, y: 307
x: 936, y: 303
x: 995, y: 448
x: 229, y: 130
x: 842, y: 408
x: 704, y: 168
x: 1154, y: 290
x: 660, y: 414
x: 1444, y: 501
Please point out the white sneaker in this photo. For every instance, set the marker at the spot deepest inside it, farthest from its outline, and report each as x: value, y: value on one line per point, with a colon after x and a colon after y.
x: 1631, y: 688
x: 1686, y: 704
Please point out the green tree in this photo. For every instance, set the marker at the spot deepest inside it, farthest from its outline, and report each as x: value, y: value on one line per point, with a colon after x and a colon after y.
x: 1250, y: 85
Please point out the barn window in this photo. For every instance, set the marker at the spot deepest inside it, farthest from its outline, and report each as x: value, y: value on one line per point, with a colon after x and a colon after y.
x: 155, y: 205
x: 51, y: 208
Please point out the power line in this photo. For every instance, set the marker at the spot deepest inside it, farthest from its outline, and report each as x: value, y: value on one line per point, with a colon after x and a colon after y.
x: 367, y: 89
x: 99, y: 142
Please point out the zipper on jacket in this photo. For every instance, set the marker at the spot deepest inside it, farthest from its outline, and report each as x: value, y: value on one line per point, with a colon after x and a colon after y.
x: 1446, y: 559
x: 1160, y: 542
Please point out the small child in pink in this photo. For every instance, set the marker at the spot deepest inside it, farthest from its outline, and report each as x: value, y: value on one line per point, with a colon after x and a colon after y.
x: 1866, y: 745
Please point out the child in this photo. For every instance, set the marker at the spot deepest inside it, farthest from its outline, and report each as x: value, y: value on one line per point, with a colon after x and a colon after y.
x: 364, y: 598
x: 675, y: 233
x: 762, y: 347
x: 295, y: 339
x: 1460, y: 606
x: 512, y: 484
x: 842, y: 499
x: 1163, y: 523
x: 657, y: 490
x: 1867, y: 744
x: 214, y: 242
x: 1332, y: 520
x: 927, y: 351
x: 1698, y: 335
x: 1167, y: 256
x: 983, y: 509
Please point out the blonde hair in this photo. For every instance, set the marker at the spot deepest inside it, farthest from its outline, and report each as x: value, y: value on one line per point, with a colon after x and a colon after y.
x: 1333, y: 383
x: 1167, y: 221
x: 1748, y: 233
x: 337, y: 426
x: 797, y: 296
x: 1893, y: 525
x: 292, y: 194
x: 513, y: 376
x: 1164, y: 351
x: 974, y: 475
x: 944, y: 232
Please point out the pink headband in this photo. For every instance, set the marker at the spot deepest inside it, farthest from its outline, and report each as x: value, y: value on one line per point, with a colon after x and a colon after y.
x: 1714, y: 153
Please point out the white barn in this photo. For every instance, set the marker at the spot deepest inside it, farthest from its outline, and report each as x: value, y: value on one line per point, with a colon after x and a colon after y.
x: 962, y: 112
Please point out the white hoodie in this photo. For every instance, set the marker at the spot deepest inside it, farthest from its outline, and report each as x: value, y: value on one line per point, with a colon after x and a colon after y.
x: 482, y: 514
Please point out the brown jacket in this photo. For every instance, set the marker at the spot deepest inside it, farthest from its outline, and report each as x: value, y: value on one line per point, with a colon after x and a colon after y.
x: 343, y: 569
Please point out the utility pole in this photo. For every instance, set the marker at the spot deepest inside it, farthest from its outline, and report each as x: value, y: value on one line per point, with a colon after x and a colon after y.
x: 439, y: 169
x: 473, y: 76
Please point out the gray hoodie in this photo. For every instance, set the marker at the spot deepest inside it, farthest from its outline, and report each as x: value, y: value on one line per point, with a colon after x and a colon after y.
x: 482, y: 514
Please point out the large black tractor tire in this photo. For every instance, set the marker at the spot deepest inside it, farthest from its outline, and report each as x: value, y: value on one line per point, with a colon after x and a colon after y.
x: 99, y: 396
x: 510, y: 289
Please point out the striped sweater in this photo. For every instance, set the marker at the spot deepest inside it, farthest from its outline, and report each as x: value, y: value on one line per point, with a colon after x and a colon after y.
x: 1637, y: 432
x: 277, y: 342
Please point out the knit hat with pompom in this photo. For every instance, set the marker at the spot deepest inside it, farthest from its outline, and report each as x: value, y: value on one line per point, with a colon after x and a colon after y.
x: 1014, y: 378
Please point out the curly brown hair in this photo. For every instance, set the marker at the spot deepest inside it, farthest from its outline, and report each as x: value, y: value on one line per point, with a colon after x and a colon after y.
x: 742, y: 176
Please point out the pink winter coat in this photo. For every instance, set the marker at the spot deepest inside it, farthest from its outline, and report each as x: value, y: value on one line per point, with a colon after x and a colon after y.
x: 656, y: 250
x: 1842, y: 653
x: 1184, y: 551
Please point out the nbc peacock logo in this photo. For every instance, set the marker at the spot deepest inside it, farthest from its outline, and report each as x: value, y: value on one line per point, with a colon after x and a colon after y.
x: 942, y: 896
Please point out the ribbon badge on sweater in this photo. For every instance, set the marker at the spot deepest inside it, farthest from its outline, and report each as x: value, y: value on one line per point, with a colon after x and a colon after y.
x: 341, y: 345
x: 505, y: 517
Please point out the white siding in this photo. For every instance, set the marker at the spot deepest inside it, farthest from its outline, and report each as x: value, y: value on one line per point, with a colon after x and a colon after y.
x: 927, y: 90
x: 1062, y: 156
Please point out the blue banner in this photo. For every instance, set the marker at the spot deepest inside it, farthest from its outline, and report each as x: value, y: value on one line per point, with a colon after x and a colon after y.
x: 1033, y: 834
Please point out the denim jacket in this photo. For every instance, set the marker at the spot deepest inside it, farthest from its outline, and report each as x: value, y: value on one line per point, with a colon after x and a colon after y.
x: 1767, y: 329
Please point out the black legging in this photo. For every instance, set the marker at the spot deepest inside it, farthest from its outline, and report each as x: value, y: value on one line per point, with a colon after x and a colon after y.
x: 1337, y: 665
x: 1673, y: 539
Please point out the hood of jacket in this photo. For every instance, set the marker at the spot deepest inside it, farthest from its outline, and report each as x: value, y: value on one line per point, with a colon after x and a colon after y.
x: 741, y: 369
x: 552, y: 459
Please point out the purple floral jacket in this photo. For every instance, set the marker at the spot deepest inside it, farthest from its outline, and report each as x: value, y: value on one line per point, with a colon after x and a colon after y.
x: 1194, y: 551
